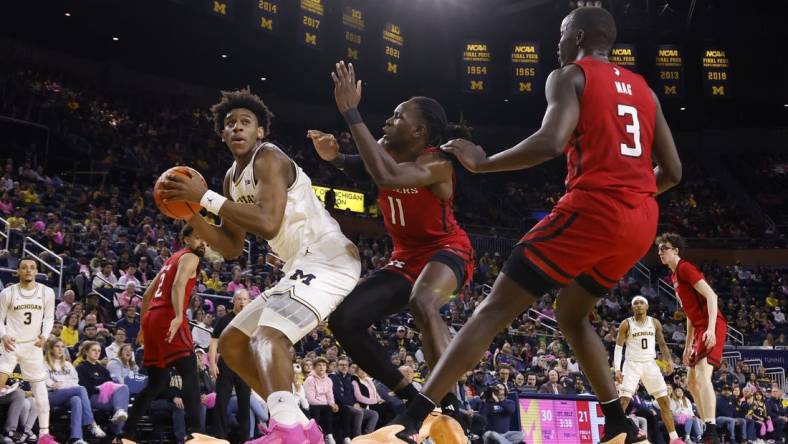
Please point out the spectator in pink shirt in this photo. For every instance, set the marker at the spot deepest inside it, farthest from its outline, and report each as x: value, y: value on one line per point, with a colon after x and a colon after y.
x: 368, y: 397
x: 253, y: 289
x: 320, y: 394
x: 129, y: 297
x: 236, y: 283
x: 64, y: 307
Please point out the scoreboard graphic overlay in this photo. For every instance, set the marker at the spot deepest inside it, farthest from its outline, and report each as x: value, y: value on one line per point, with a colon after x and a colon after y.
x: 475, y: 67
x: 310, y: 23
x: 716, y: 66
x: 670, y: 71
x: 524, y: 59
x: 561, y: 421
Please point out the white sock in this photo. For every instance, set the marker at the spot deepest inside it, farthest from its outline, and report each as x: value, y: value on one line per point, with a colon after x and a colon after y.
x: 284, y: 409
x: 673, y: 435
x: 42, y: 405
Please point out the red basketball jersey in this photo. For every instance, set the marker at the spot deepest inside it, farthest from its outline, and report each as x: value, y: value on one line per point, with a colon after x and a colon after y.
x: 610, y: 150
x: 694, y: 304
x: 163, y: 295
x: 415, y: 218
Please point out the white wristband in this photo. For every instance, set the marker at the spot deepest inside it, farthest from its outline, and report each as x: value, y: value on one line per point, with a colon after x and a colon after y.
x: 617, y: 355
x: 212, y: 201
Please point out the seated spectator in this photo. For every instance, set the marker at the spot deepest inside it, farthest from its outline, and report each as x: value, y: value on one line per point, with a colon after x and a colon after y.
x: 367, y: 395
x: 235, y: 283
x: 354, y: 418
x: 777, y: 411
x: 320, y: 393
x: 123, y: 365
x: 130, y: 323
x: 497, y: 408
x: 64, y: 307
x: 552, y: 385
x: 684, y: 415
x: 105, y: 278
x: 129, y: 277
x: 89, y: 334
x: 207, y: 385
x: 253, y: 289
x: 113, y: 349
x: 201, y: 333
x: 298, y: 388
x: 93, y: 305
x: 760, y: 415
x: 70, y: 332
x: 726, y: 414
x: 128, y: 297
x: 15, y: 400
x: 519, y: 387
x: 743, y: 400
x: 94, y: 377
x: 64, y: 390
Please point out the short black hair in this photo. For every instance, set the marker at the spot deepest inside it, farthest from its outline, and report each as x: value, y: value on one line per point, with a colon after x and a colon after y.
x: 673, y: 238
x: 438, y: 126
x: 241, y: 98
x: 597, y: 23
x: 186, y: 231
x: 28, y: 258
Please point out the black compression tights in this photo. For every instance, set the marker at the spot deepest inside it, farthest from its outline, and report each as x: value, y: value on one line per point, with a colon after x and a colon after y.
x: 382, y: 294
x: 158, y: 381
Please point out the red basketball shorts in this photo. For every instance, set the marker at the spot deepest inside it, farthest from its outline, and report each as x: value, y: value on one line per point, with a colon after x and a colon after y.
x: 713, y: 355
x: 592, y: 238
x: 157, y: 351
x: 455, y: 252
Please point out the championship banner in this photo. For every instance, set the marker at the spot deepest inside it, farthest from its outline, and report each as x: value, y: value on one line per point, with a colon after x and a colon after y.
x: 393, y: 42
x: 265, y: 15
x: 221, y: 8
x: 715, y: 67
x: 310, y: 22
x: 670, y: 71
x: 344, y: 199
x: 624, y: 55
x: 524, y: 59
x: 353, y: 27
x: 558, y: 421
x: 475, y: 67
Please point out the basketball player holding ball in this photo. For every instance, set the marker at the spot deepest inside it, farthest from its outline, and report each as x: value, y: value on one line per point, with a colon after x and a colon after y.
x: 267, y: 194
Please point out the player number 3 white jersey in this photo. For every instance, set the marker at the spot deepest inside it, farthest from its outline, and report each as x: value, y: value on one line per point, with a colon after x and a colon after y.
x: 305, y: 220
x: 641, y: 340
x: 26, y: 314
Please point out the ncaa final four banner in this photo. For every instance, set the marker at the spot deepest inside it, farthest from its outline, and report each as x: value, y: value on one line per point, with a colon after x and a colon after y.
x: 715, y: 65
x: 265, y: 15
x: 393, y: 42
x: 475, y: 67
x: 561, y: 421
x: 310, y: 23
x: 524, y: 59
x: 670, y: 72
x: 353, y: 29
x: 625, y: 55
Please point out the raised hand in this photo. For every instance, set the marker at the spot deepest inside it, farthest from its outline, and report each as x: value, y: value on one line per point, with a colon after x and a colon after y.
x: 325, y: 144
x: 347, y: 90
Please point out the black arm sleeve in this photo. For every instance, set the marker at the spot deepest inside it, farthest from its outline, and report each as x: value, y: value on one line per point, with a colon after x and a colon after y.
x: 351, y: 165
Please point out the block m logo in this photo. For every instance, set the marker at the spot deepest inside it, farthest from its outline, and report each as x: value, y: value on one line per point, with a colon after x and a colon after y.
x: 310, y: 38
x: 305, y: 278
x: 352, y: 53
x: 718, y: 90
x: 671, y: 90
x: 220, y: 7
x: 267, y: 23
x: 477, y: 85
x: 525, y: 86
x: 391, y: 67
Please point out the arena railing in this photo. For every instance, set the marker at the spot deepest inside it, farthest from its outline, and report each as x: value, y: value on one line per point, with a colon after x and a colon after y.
x: 731, y: 357
x: 543, y: 320
x: 777, y: 374
x: 248, y: 251
x: 59, y: 270
x: 5, y: 232
x: 664, y: 287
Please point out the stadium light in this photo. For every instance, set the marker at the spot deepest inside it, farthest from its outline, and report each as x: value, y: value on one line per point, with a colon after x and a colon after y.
x: 683, y: 108
x: 224, y: 56
x: 115, y: 39
x: 263, y: 79
x: 68, y: 14
x: 505, y: 100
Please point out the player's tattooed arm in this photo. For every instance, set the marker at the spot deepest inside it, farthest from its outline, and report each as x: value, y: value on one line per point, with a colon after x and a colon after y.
x: 668, y: 169
x: 384, y: 170
x: 227, y: 238
x: 663, y: 346
x: 563, y: 88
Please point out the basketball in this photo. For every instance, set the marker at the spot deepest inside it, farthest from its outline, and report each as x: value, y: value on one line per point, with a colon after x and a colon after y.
x: 176, y: 210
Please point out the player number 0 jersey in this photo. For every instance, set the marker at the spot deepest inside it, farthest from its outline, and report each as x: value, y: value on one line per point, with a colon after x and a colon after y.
x: 641, y: 340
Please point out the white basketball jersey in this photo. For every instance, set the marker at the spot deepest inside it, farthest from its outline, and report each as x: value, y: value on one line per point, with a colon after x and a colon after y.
x: 305, y: 220
x: 25, y: 310
x: 641, y: 340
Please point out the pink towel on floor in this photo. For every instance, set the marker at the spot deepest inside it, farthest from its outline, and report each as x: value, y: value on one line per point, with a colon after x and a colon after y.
x: 106, y: 390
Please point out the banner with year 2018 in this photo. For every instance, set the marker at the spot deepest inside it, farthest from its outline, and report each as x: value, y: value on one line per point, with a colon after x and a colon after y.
x: 475, y: 67
x: 670, y: 71
x: 353, y: 29
x: 716, y: 73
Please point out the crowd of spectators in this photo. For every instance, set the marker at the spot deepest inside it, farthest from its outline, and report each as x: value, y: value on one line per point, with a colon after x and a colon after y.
x: 112, y: 242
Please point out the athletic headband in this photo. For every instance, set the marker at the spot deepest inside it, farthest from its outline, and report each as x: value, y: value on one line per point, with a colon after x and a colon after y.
x: 639, y: 298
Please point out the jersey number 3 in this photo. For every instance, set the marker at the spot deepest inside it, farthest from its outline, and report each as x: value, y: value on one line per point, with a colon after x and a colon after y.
x: 633, y: 129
